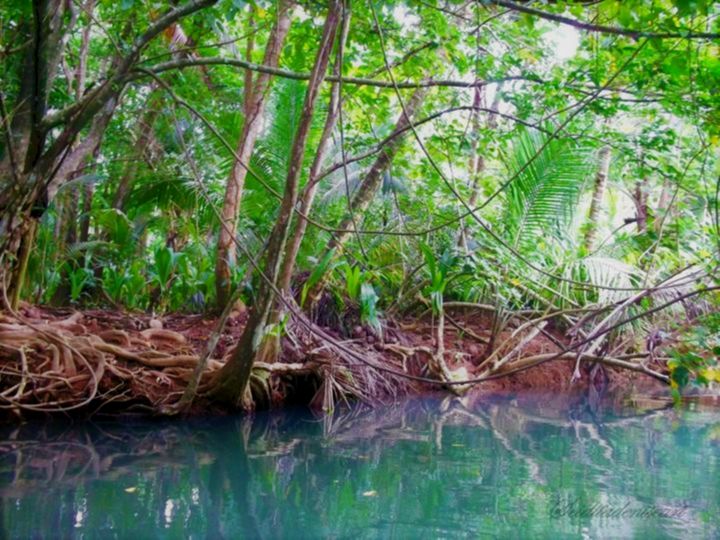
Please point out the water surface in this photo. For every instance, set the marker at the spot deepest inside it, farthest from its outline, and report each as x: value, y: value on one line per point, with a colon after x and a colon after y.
x: 536, y: 466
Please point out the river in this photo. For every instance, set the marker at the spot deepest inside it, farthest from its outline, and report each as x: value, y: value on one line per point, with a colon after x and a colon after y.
x: 541, y: 466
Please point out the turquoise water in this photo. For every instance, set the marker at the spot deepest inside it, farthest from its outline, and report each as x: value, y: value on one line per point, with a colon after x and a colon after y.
x: 540, y: 466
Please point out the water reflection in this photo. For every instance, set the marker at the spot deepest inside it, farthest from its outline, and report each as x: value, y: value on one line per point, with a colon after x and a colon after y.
x: 545, y: 465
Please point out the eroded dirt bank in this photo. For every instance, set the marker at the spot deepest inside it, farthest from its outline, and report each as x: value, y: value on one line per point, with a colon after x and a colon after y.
x: 62, y: 360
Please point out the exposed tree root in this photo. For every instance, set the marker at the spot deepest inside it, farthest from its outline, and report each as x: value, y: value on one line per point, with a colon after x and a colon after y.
x: 58, y: 365
x: 51, y: 364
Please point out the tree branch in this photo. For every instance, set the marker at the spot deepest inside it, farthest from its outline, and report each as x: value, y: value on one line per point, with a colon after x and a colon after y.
x: 288, y: 74
x: 635, y: 34
x: 125, y: 64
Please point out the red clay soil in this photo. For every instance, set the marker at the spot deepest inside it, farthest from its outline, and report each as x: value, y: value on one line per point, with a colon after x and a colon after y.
x: 138, y: 333
x: 554, y: 376
x: 462, y: 350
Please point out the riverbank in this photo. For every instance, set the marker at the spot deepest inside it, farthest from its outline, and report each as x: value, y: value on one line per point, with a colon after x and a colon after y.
x: 102, y: 361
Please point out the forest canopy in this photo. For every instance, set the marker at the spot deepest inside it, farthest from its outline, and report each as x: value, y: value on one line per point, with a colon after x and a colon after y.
x: 339, y: 167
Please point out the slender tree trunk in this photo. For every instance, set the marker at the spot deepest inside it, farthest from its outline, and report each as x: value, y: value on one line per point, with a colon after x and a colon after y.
x: 248, y: 76
x: 88, y: 194
x: 65, y: 230
x: 254, y: 111
x: 271, y: 345
x: 597, y: 198
x: 475, y: 166
x: 233, y: 378
x: 23, y: 260
x: 66, y: 205
x: 81, y: 73
x: 371, y: 183
x: 75, y: 165
x: 641, y: 205
x: 477, y: 160
x: 308, y: 196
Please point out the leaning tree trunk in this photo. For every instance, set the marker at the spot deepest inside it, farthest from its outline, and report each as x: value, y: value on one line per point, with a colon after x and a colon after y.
x: 597, y: 197
x: 254, y: 105
x: 371, y: 183
x: 66, y: 202
x: 232, y: 380
x: 73, y: 166
x: 308, y: 195
x: 270, y: 349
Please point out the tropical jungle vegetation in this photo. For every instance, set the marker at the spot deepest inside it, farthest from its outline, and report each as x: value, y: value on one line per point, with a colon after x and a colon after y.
x: 352, y: 199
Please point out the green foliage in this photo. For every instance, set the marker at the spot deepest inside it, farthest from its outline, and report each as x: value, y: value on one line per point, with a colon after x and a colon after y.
x: 368, y: 307
x: 162, y: 270
x: 79, y: 279
x: 323, y: 266
x: 353, y: 281
x: 696, y: 359
x: 114, y: 283
x: 438, y: 277
x: 360, y: 291
x: 542, y: 198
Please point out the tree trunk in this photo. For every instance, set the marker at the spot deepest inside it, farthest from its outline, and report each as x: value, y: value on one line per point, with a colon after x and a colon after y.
x: 39, y: 69
x: 88, y: 193
x: 371, y: 183
x: 66, y: 203
x: 17, y: 183
x: 77, y: 160
x: 308, y: 196
x: 597, y: 197
x: 66, y: 224
x: 232, y: 379
x: 74, y: 166
x: 254, y: 110
x: 249, y: 48
x: 641, y: 205
x: 23, y: 259
x: 477, y: 160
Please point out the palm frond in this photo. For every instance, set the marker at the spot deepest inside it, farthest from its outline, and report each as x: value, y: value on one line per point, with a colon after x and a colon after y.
x: 271, y: 159
x: 276, y: 143
x: 335, y: 187
x: 162, y: 192
x: 609, y: 275
x: 682, y: 283
x: 542, y: 199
